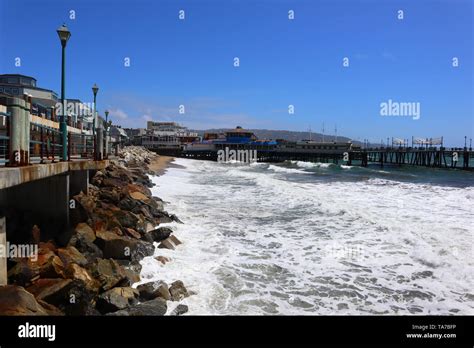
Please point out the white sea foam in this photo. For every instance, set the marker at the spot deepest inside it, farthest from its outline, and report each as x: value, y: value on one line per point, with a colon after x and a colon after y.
x: 303, y: 164
x: 256, y: 242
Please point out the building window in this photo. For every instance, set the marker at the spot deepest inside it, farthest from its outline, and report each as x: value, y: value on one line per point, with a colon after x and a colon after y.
x: 13, y: 80
x: 15, y: 91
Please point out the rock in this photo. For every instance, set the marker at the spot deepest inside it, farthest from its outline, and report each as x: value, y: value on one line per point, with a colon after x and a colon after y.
x: 71, y: 255
x: 108, y: 272
x: 85, y: 231
x: 116, y: 299
x: 175, y: 218
x: 175, y: 240
x: 85, y: 202
x: 144, y: 210
x: 116, y: 247
x: 111, y: 195
x: 125, y: 248
x: 50, y: 309
x: 132, y: 188
x: 150, y: 291
x: 159, y: 234
x: 143, y: 249
x: 80, y: 300
x: 24, y: 272
x: 128, y: 204
x: 162, y: 259
x: 126, y: 218
x: 87, y: 248
x: 112, y: 182
x: 167, y: 244
x: 74, y: 271
x: 15, y: 300
x: 138, y: 196
x: 131, y: 271
x: 44, y: 247
x: 50, y: 265
x: 156, y: 307
x: 132, y: 233
x: 180, y: 310
x: 53, y: 291
x: 178, y: 291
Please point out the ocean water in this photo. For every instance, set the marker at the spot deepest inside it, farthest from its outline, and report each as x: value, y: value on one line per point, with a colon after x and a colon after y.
x: 319, y: 239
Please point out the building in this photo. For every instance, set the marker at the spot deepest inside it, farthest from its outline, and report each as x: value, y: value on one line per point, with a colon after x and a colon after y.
x: 43, y: 101
x: 117, y: 134
x: 167, y: 135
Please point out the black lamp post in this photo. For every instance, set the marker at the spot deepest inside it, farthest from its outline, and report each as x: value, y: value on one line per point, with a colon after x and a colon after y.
x: 106, y: 133
x: 95, y: 89
x: 64, y: 35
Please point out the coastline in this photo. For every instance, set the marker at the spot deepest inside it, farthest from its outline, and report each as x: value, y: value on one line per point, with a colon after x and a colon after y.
x: 160, y: 164
x: 113, y: 227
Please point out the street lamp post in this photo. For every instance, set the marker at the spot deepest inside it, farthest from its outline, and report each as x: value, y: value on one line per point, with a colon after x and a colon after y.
x: 106, y: 134
x: 64, y: 35
x: 95, y: 89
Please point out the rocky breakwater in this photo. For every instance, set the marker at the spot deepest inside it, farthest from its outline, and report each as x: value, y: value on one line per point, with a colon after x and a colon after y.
x: 93, y: 274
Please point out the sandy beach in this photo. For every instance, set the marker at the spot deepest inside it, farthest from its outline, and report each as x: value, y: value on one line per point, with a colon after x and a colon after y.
x: 160, y: 164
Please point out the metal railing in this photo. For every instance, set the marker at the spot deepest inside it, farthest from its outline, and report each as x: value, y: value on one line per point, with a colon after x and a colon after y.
x: 4, y: 138
x: 80, y: 146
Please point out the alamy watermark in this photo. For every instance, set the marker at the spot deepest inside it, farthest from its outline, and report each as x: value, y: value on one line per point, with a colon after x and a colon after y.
x: 245, y: 156
x: 14, y: 251
x: 405, y: 109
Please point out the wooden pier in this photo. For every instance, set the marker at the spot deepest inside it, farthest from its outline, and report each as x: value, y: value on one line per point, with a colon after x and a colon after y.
x: 437, y: 157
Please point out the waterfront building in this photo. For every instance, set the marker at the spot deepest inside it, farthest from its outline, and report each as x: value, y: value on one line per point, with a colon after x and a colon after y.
x: 167, y: 135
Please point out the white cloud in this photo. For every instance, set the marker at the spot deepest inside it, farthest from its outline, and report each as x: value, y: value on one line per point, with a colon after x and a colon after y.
x: 118, y: 113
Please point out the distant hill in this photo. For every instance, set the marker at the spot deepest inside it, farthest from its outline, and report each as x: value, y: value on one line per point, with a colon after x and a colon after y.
x: 283, y: 134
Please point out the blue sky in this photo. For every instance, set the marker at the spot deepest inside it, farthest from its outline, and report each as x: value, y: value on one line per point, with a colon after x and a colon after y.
x: 282, y: 62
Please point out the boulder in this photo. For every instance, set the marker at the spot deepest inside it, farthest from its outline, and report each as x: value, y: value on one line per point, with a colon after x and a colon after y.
x: 15, y: 300
x: 167, y: 244
x: 162, y: 259
x: 50, y: 265
x: 86, y: 203
x: 123, y: 247
x: 178, y: 291
x: 85, y: 231
x: 180, y: 310
x: 80, y: 299
x: 175, y: 240
x: 139, y: 196
x: 126, y: 218
x: 24, y: 272
x: 150, y: 291
x: 111, y: 195
x: 53, y: 291
x: 156, y: 307
x: 114, y: 246
x: 44, y: 247
x: 108, y: 272
x: 143, y: 249
x: 50, y: 309
x: 70, y: 255
x: 116, y: 299
x: 86, y: 247
x: 157, y: 235
x: 74, y: 271
x: 132, y: 233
